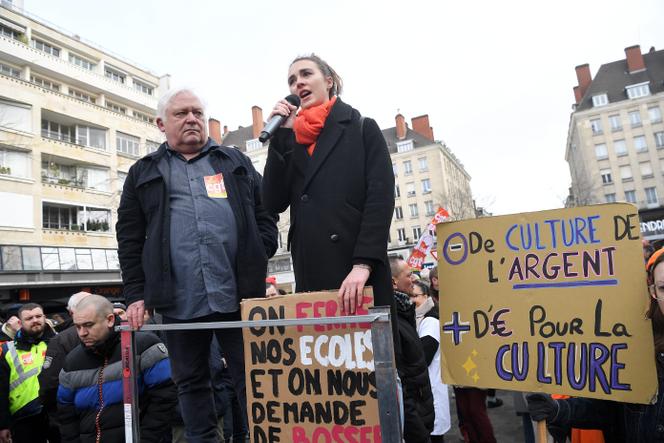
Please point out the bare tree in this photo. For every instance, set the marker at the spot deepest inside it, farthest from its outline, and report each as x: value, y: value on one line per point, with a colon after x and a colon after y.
x: 458, y: 201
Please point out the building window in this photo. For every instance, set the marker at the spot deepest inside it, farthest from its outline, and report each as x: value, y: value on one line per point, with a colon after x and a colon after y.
x: 9, y: 71
x: 115, y: 107
x: 9, y: 32
x: 253, y: 145
x: 426, y: 186
x: 58, y: 131
x: 11, y: 258
x: 61, y: 217
x: 640, y: 90
x: 395, y: 169
x: 410, y: 189
x: 606, y: 176
x: 630, y: 196
x: 401, y: 232
x: 651, y: 196
x: 82, y: 96
x: 48, y: 84
x: 635, y: 118
x: 405, y: 146
x: 661, y: 165
x: 600, y: 151
x: 620, y: 147
x: 80, y: 61
x: 14, y: 163
x: 115, y: 75
x: 75, y: 176
x: 58, y: 174
x: 413, y: 210
x: 424, y: 166
x: 146, y: 118
x: 659, y: 139
x: 600, y: 100
x: 646, y: 169
x: 417, y: 232
x: 97, y: 219
x: 655, y: 114
x: 95, y: 178
x: 626, y: 173
x: 428, y: 206
x: 127, y: 144
x: 122, y: 176
x: 596, y: 126
x: 75, y: 218
x: 45, y: 47
x: 91, y: 137
x: 143, y: 87
x: 16, y: 116
x: 610, y: 198
x: 615, y: 122
x: 640, y: 143
x: 407, y: 167
x: 31, y: 259
x: 151, y: 146
x: 398, y: 212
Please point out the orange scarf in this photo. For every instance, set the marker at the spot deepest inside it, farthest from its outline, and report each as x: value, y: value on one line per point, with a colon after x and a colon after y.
x: 309, y: 122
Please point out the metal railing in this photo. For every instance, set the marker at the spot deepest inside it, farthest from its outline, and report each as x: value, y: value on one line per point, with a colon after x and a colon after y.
x: 383, y: 353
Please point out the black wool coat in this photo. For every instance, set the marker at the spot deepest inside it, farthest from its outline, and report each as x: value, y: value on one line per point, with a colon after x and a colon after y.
x: 341, y: 201
x: 143, y: 227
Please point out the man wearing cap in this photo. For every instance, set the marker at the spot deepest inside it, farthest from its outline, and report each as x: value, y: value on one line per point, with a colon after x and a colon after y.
x: 22, y: 417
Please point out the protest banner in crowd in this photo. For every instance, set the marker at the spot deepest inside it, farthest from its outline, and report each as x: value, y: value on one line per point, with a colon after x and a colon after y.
x: 550, y: 301
x: 426, y: 242
x: 309, y: 383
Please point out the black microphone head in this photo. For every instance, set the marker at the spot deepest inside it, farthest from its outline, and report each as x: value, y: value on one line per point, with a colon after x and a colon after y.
x: 293, y: 100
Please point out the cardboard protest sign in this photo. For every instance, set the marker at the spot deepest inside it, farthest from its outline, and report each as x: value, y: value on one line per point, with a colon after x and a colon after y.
x: 550, y: 301
x: 309, y: 383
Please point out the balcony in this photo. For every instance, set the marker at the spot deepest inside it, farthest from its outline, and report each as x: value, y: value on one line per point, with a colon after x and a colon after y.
x: 62, y: 217
x: 59, y: 68
x: 72, y: 131
x: 61, y: 171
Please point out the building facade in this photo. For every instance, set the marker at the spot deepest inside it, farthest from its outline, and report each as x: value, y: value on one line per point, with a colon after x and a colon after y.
x: 427, y: 176
x: 615, y: 142
x: 73, y: 119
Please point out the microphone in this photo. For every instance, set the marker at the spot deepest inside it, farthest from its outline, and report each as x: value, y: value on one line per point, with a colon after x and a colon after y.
x: 277, y: 120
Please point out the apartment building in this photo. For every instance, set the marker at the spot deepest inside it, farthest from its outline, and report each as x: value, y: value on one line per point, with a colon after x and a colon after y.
x: 427, y: 175
x: 73, y: 119
x: 615, y: 142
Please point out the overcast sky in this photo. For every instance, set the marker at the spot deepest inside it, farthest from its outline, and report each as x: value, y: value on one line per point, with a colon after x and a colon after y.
x: 494, y: 77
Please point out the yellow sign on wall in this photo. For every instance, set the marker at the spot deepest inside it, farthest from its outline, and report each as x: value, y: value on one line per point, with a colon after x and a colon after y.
x: 550, y: 301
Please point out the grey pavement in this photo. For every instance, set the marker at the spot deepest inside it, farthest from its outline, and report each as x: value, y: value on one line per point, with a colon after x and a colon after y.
x: 507, y: 426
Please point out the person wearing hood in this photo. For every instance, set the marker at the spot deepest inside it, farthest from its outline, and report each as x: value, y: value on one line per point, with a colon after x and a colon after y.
x: 22, y: 417
x: 90, y: 407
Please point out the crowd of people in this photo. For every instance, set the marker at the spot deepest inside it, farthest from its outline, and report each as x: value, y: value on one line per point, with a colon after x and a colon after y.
x: 196, y: 226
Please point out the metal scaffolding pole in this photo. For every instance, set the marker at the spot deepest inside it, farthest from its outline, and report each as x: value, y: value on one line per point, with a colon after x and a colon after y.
x: 381, y: 337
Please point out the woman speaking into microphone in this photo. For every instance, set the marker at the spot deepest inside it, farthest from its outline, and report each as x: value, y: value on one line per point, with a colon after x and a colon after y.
x: 332, y: 167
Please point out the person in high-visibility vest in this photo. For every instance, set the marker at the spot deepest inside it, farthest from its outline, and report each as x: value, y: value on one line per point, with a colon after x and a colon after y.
x: 22, y: 417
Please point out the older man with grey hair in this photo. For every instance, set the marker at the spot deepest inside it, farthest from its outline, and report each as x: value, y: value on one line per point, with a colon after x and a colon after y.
x: 194, y: 240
